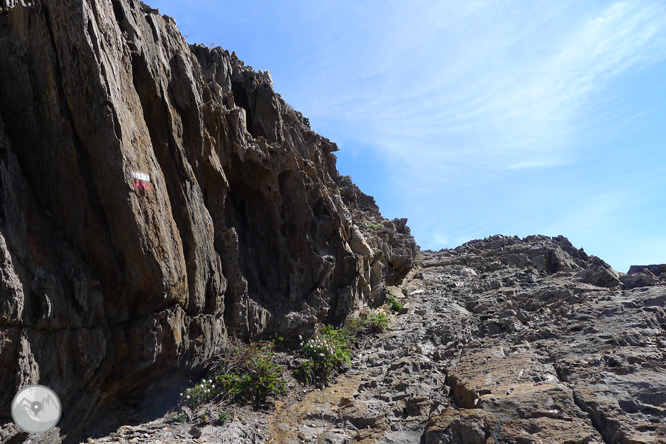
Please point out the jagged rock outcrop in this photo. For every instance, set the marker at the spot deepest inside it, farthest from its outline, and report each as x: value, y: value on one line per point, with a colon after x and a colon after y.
x: 504, y: 341
x: 156, y: 197
x: 644, y: 276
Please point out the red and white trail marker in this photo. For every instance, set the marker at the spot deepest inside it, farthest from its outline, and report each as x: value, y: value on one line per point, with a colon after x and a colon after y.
x: 141, y: 181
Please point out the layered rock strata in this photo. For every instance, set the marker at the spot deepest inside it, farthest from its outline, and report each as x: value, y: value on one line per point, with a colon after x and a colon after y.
x: 505, y: 341
x: 499, y: 344
x: 155, y: 197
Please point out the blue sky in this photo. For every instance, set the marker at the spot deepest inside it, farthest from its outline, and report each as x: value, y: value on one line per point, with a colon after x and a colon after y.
x: 476, y: 117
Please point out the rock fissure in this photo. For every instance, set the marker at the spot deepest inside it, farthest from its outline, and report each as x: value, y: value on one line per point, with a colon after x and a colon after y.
x: 596, y: 420
x: 127, y: 323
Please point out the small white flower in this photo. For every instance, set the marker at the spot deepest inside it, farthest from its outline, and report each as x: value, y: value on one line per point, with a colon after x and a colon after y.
x: 181, y: 394
x: 188, y: 396
x: 300, y: 337
x: 213, y: 385
x: 210, y: 381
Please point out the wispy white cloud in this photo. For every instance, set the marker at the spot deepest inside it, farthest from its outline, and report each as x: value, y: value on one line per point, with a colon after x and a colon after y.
x: 486, y: 87
x: 438, y: 86
x: 478, y: 117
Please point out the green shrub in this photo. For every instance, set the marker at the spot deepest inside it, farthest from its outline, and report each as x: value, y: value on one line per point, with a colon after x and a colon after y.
x: 393, y: 303
x: 223, y: 417
x: 341, y: 339
x: 376, y: 226
x: 405, y: 292
x: 373, y: 323
x: 203, y: 392
x: 377, y: 322
x: 329, y: 351
x: 325, y: 354
x: 353, y: 326
x: 248, y: 373
x: 180, y: 418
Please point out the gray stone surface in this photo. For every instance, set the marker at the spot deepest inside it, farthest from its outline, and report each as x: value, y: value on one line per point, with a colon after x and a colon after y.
x: 156, y: 197
x: 115, y: 289
x: 507, y: 341
x: 497, y: 346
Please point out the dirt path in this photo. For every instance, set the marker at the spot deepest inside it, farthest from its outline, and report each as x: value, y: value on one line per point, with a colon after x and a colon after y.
x: 395, y: 384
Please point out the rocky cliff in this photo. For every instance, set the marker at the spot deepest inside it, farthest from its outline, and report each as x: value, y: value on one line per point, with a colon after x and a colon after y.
x: 502, y: 340
x: 155, y: 198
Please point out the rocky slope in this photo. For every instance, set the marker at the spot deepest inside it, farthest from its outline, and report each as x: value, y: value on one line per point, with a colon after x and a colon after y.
x: 505, y: 340
x: 155, y: 198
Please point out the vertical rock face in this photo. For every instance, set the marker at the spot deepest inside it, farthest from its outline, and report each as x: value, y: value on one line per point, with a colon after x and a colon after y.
x: 156, y: 197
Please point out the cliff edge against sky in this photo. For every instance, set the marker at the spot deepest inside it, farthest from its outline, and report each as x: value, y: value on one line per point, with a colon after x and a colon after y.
x: 157, y: 197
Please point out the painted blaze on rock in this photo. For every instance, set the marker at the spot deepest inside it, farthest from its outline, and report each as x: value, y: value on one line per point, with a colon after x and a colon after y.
x: 156, y: 197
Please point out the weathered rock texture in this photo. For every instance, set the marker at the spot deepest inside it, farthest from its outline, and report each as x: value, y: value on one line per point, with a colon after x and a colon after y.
x: 155, y: 197
x: 506, y: 340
